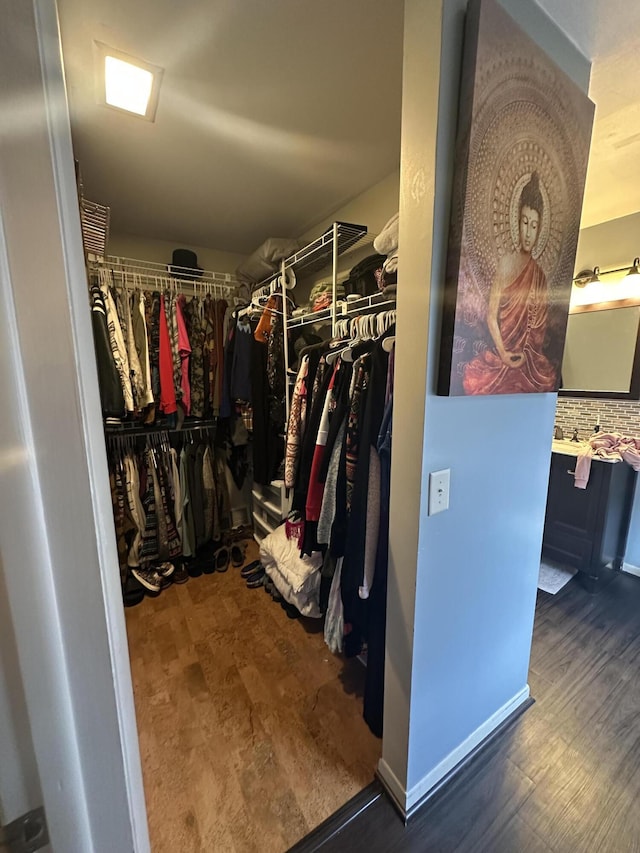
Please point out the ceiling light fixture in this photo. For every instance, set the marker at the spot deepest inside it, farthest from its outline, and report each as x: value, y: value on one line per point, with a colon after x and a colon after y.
x: 126, y: 86
x: 125, y: 83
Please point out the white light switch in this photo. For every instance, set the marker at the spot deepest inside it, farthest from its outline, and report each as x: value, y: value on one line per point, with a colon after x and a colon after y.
x: 439, y: 491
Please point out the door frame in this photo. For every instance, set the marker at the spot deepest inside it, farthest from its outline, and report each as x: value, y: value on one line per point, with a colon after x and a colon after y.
x: 58, y: 542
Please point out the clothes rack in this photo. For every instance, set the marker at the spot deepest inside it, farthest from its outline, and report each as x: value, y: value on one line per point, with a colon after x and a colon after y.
x: 148, y: 275
x: 126, y: 429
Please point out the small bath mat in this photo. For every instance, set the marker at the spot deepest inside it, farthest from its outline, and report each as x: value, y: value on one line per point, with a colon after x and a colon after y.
x: 553, y: 577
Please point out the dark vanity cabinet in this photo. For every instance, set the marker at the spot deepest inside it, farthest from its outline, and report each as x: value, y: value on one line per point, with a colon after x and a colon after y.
x: 587, y: 528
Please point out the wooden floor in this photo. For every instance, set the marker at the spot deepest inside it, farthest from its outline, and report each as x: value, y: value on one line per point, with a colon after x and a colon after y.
x: 251, y: 731
x: 565, y: 777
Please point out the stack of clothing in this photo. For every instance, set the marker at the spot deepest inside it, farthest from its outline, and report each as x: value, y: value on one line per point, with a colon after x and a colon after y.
x: 387, y: 244
x: 321, y: 295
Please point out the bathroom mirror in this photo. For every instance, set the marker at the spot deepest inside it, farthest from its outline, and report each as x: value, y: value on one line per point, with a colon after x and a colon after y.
x: 602, y: 351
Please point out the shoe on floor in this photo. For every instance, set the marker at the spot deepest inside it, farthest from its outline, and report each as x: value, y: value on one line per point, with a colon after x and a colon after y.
x: 250, y: 569
x: 291, y: 610
x: 222, y: 559
x: 165, y: 569
x: 180, y: 575
x: 192, y: 568
x: 237, y: 555
x: 150, y: 579
x: 269, y: 586
x: 256, y: 580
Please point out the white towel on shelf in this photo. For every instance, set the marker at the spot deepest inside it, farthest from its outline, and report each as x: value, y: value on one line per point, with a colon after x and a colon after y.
x: 386, y: 243
x: 391, y: 264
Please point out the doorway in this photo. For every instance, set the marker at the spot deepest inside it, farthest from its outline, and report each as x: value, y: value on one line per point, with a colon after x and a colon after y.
x: 211, y: 656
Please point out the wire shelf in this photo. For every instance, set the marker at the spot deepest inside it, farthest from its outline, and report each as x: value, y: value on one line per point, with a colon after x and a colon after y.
x: 152, y: 275
x: 95, y: 220
x: 317, y: 254
x: 345, y: 309
x: 133, y: 428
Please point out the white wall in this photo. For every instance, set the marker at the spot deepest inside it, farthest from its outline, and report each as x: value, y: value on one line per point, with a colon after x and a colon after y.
x: 160, y: 251
x: 372, y: 208
x: 609, y: 245
x: 462, y: 584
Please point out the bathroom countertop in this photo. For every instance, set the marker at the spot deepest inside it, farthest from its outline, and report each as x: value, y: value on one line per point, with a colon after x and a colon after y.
x: 573, y: 448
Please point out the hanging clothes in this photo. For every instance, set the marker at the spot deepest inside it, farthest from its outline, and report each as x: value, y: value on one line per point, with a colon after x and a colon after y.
x: 210, y: 356
x: 241, y: 363
x: 116, y: 340
x: 316, y: 484
x: 111, y: 394
x: 376, y: 625
x: 268, y: 446
x: 168, y: 403
x: 296, y: 425
x: 194, y: 319
x: 184, y: 354
x: 141, y: 341
x: 219, y: 313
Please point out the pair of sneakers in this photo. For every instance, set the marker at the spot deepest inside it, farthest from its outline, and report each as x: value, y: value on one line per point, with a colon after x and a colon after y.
x: 156, y: 578
x: 254, y: 574
x: 290, y: 609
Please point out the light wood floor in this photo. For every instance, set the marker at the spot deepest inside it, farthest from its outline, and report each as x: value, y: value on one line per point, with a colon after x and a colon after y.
x: 251, y: 731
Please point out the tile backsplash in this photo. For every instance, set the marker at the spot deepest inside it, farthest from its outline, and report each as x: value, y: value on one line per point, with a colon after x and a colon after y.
x: 613, y: 416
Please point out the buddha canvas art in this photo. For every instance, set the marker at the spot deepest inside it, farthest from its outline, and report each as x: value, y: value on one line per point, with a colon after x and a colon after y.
x: 523, y: 139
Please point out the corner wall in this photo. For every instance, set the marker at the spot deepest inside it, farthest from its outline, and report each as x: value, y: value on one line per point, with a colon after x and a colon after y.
x: 462, y: 584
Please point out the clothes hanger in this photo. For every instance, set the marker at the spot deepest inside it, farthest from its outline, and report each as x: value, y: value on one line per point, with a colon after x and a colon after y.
x: 331, y: 357
x: 354, y: 338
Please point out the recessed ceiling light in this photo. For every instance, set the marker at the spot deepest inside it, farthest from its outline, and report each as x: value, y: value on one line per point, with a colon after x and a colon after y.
x: 126, y: 83
x: 126, y: 86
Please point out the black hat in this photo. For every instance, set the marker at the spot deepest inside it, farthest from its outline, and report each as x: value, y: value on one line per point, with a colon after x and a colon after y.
x: 184, y: 264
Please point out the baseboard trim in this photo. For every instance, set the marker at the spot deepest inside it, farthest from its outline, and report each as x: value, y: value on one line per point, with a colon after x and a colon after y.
x: 631, y: 570
x: 336, y: 822
x: 408, y: 802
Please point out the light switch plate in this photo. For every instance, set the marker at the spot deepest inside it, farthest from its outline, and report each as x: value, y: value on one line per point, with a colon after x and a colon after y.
x: 439, y: 491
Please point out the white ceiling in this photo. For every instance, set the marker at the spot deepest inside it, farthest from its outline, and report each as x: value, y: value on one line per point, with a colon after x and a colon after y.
x: 273, y: 113
x: 608, y: 32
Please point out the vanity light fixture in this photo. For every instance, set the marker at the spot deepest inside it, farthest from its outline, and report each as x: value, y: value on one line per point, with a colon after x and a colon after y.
x: 635, y: 269
x: 125, y: 83
x: 586, y: 277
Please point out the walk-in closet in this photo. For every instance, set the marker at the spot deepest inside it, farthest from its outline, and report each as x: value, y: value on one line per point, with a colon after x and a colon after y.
x: 241, y: 248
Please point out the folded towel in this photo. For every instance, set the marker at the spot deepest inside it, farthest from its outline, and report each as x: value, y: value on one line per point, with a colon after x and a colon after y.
x: 390, y: 291
x: 391, y: 264
x: 386, y: 242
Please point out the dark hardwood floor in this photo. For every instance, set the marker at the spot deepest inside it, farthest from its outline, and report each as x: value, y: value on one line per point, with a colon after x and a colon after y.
x: 565, y: 776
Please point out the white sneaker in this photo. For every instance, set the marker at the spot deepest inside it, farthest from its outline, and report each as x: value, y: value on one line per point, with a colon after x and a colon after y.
x: 149, y: 578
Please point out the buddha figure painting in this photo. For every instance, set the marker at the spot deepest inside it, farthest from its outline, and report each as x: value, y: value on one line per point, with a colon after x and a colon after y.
x: 521, y: 158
